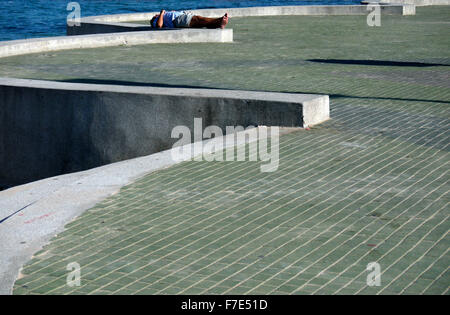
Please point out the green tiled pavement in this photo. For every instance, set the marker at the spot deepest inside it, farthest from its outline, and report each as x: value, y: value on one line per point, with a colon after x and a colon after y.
x: 370, y: 185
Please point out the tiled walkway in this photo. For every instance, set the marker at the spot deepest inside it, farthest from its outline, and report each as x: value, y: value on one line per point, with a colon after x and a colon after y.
x: 370, y: 185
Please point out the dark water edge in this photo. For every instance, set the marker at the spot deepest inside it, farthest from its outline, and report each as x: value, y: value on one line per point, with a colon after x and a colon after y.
x: 20, y: 19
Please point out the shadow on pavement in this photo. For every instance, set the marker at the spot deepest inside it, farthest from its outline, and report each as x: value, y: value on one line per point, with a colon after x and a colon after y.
x: 377, y: 63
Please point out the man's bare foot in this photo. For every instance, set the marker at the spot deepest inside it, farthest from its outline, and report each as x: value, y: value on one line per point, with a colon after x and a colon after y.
x: 224, y: 21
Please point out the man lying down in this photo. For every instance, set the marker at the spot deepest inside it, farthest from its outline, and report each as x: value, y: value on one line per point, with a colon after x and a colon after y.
x: 178, y: 19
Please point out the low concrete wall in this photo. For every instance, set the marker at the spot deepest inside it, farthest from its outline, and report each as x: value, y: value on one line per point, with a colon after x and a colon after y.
x: 36, y: 45
x: 115, y: 23
x: 98, y: 28
x: 52, y: 128
x: 307, y: 10
x: 259, y: 11
x: 417, y: 2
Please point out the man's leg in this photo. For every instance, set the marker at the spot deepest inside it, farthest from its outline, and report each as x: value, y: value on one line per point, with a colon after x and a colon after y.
x: 200, y: 21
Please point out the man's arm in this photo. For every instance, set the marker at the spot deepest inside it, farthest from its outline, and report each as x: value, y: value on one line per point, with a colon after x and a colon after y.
x: 160, y: 22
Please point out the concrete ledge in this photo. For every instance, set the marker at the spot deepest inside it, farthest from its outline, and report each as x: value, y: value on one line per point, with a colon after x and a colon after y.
x: 116, y: 22
x: 51, y: 128
x: 37, y: 45
x: 396, y: 9
x: 414, y: 2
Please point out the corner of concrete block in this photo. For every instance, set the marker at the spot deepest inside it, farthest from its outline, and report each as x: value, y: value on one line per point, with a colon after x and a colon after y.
x: 316, y: 111
x: 227, y: 35
x: 409, y: 9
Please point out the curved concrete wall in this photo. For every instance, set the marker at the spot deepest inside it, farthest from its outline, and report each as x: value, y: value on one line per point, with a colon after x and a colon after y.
x: 419, y: 2
x: 36, y: 45
x: 51, y: 128
x: 397, y: 9
x: 116, y: 22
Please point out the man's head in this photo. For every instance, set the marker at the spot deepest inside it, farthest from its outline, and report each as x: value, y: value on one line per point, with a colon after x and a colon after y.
x: 154, y: 18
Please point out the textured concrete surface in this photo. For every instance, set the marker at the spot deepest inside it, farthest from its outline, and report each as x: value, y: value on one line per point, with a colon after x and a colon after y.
x: 54, y: 128
x: 370, y: 185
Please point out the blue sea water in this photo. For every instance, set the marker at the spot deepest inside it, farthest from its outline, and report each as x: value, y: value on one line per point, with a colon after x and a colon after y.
x: 21, y: 19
